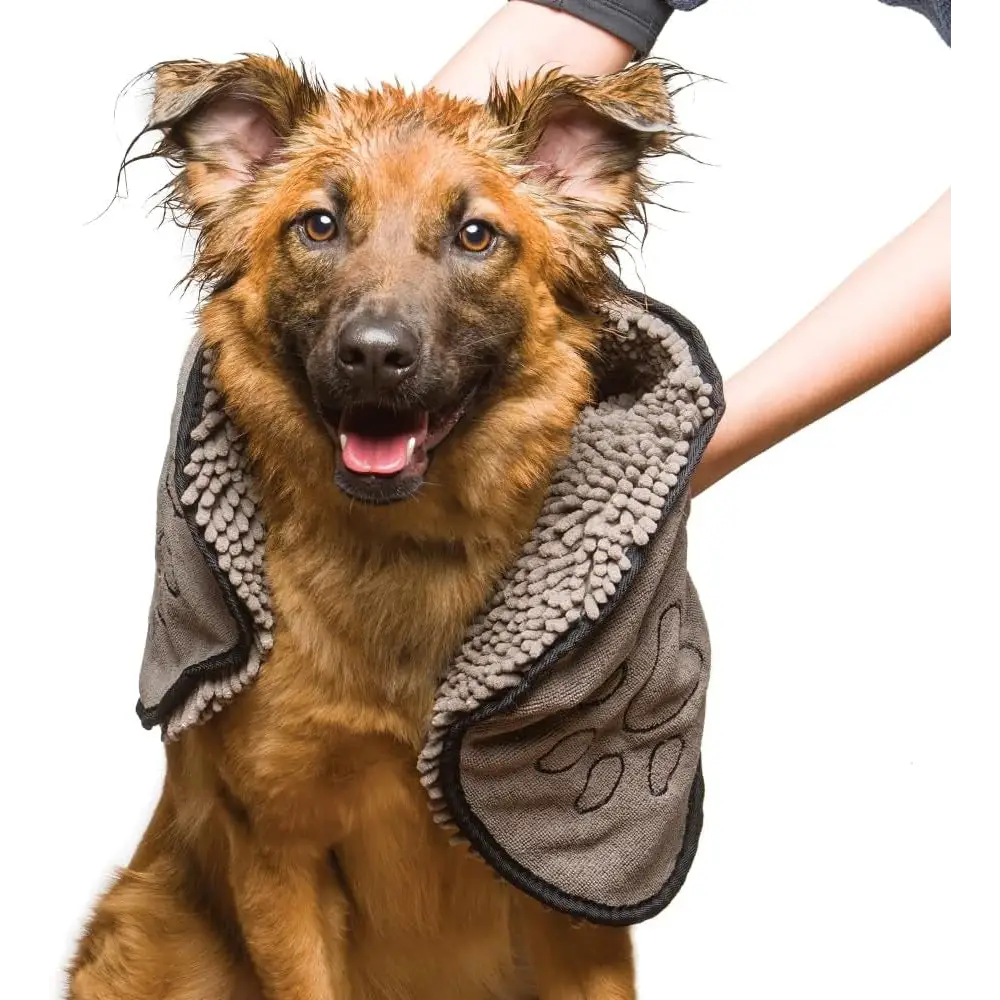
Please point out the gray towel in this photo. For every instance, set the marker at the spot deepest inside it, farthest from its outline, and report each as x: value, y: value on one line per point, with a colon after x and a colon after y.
x: 564, y: 742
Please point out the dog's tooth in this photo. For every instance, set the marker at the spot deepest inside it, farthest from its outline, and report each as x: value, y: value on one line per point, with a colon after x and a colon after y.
x: 343, y: 441
x: 410, y: 447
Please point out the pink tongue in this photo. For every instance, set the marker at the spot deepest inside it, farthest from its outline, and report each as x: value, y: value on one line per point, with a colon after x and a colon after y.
x: 382, y: 456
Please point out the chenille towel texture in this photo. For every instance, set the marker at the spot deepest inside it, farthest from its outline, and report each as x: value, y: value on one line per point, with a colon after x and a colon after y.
x: 564, y: 742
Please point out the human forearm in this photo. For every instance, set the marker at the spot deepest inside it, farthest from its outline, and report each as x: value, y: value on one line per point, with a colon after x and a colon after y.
x: 522, y: 38
x: 889, y: 312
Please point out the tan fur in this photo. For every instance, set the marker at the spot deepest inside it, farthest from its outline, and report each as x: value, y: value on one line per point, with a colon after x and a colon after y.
x: 292, y: 855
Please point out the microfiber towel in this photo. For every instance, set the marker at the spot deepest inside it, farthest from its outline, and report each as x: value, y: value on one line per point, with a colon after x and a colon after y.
x: 564, y: 744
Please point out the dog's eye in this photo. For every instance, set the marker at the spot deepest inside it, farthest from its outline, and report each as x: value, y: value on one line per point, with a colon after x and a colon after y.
x: 319, y: 226
x: 476, y: 236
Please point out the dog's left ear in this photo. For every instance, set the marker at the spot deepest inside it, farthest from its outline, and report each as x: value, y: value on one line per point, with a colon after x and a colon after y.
x: 221, y: 122
x: 585, y: 138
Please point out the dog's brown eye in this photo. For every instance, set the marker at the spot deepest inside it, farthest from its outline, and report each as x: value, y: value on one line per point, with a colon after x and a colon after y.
x: 476, y: 236
x: 319, y: 226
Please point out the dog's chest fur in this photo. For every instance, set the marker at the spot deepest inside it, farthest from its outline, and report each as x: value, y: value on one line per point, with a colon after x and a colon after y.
x: 320, y: 757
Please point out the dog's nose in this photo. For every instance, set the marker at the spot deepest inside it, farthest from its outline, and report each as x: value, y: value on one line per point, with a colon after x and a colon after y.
x: 377, y: 354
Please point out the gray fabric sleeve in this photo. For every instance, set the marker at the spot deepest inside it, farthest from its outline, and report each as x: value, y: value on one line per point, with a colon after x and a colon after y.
x: 938, y: 12
x: 639, y: 22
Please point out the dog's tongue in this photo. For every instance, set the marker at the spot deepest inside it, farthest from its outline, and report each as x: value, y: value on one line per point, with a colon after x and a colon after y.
x: 379, y: 456
x: 379, y: 448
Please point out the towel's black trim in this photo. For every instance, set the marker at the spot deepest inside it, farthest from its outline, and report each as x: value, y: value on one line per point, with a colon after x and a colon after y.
x: 449, y: 764
x: 230, y: 660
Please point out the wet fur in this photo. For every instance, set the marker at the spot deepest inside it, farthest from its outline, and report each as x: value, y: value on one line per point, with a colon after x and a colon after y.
x: 292, y: 855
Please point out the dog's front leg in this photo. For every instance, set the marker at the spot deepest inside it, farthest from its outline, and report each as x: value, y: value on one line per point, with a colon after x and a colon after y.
x: 293, y: 918
x: 576, y: 961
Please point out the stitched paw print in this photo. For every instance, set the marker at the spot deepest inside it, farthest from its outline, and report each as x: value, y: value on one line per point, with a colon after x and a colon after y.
x: 164, y: 550
x: 634, y: 722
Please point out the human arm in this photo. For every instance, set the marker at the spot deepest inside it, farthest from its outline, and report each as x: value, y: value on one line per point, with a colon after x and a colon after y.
x: 520, y: 39
x: 893, y: 309
x: 890, y: 311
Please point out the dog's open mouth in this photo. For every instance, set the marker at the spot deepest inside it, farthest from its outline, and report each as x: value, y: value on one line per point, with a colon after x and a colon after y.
x: 384, y: 453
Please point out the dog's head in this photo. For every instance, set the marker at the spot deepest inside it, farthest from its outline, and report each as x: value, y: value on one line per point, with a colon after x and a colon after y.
x: 420, y: 273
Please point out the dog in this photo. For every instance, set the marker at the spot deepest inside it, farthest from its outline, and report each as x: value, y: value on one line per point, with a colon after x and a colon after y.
x: 401, y: 294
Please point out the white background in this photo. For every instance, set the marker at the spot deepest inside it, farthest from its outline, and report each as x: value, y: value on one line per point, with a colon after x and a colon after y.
x: 844, y: 851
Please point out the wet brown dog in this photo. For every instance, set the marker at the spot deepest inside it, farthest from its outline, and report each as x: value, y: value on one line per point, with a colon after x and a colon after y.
x: 402, y: 301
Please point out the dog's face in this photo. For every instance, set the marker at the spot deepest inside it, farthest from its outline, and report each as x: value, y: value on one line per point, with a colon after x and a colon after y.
x: 424, y: 270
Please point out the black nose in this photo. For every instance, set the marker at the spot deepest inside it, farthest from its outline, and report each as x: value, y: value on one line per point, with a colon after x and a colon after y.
x: 377, y: 354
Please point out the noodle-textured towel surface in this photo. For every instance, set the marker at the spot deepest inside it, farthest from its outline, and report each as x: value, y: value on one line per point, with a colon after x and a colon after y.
x: 564, y: 742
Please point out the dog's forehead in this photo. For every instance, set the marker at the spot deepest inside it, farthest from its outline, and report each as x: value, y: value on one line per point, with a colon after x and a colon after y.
x: 392, y: 108
x: 389, y: 141
x: 412, y: 159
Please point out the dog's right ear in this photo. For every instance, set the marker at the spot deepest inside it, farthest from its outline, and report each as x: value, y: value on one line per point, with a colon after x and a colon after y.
x: 221, y: 122
x: 583, y: 144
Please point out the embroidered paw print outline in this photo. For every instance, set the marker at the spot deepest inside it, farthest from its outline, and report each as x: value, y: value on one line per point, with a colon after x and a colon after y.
x: 605, y: 771
x: 165, y: 559
x: 591, y: 797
